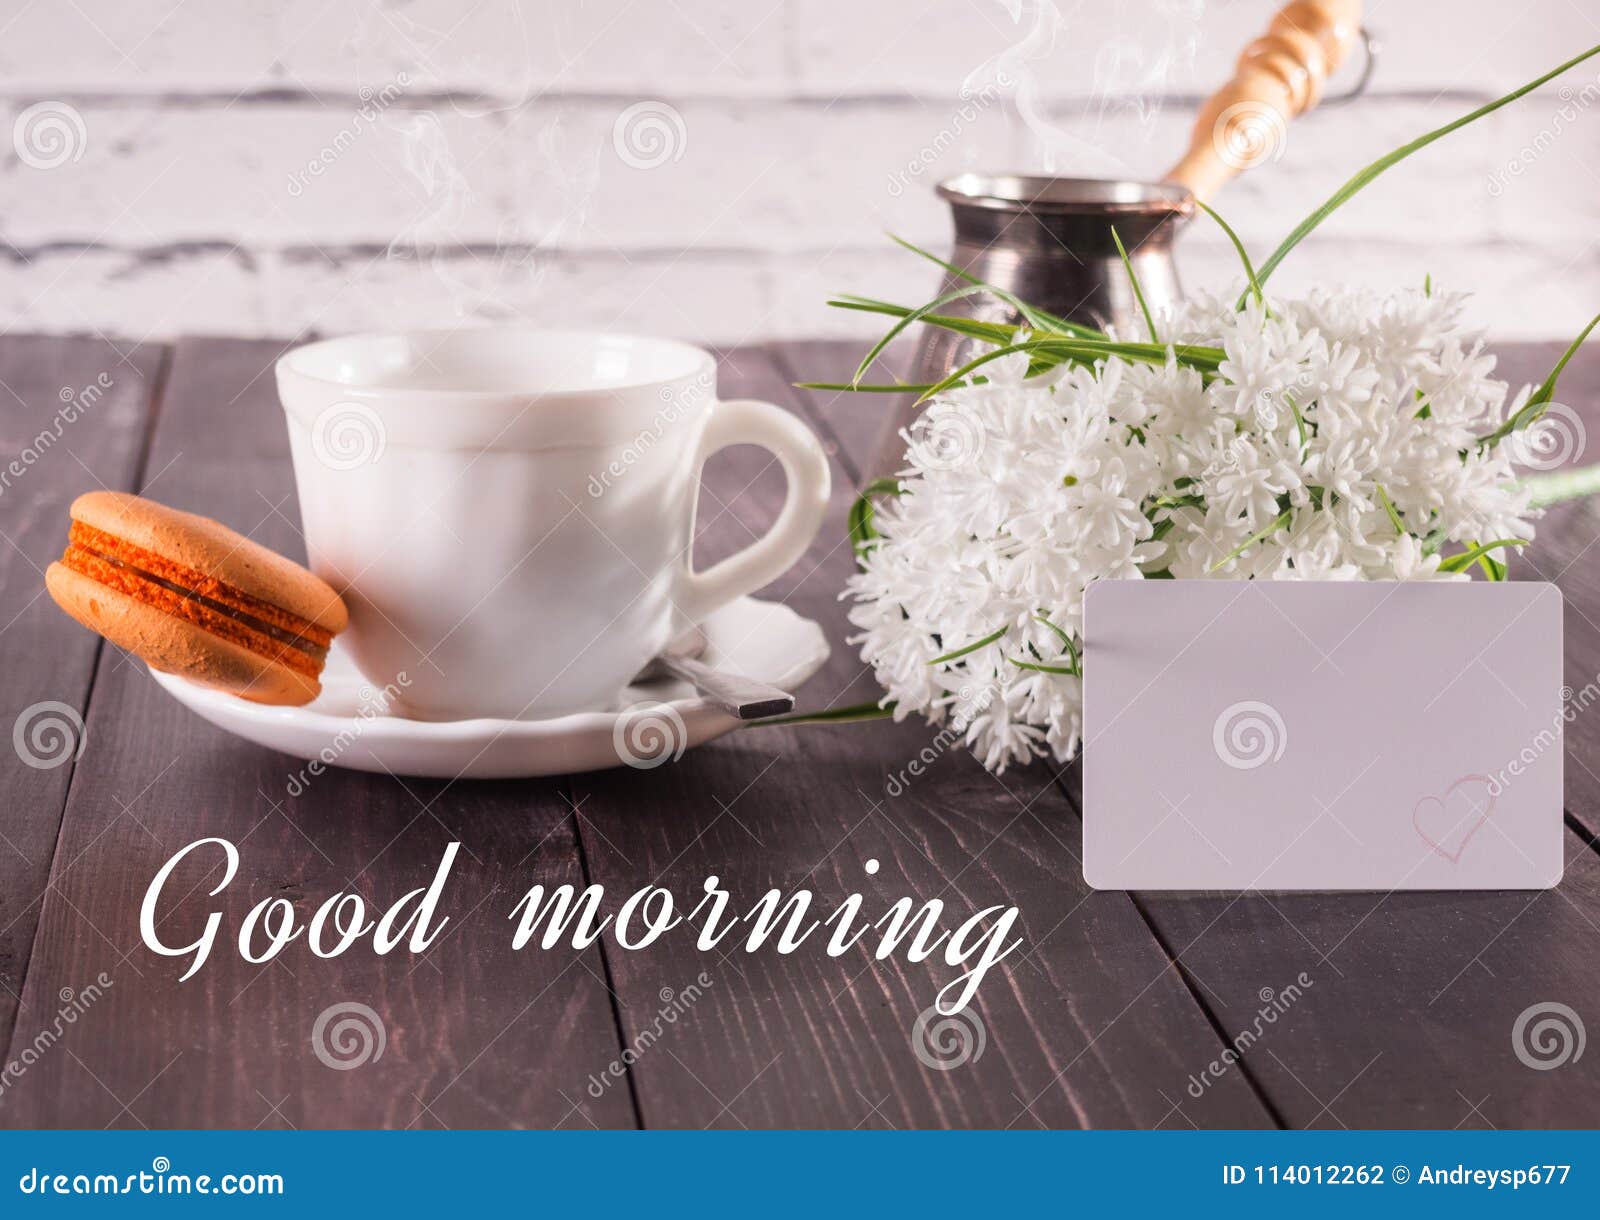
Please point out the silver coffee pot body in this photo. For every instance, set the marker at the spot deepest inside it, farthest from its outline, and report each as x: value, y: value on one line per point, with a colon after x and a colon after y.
x: 1049, y: 243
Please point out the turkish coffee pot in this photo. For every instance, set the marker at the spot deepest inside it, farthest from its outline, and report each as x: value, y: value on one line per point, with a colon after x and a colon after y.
x: 1048, y: 241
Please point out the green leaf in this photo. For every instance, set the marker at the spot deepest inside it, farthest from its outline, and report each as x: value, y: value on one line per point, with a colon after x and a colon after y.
x: 862, y: 532
x: 1531, y: 410
x: 1492, y: 567
x: 1365, y: 176
x: 1464, y: 560
x: 1037, y: 318
x: 1388, y: 507
x: 1559, y: 486
x: 910, y: 319
x: 1547, y: 388
x: 1273, y: 526
x: 1066, y: 642
x: 1045, y: 669
x: 1244, y: 257
x: 848, y: 387
x: 1299, y: 425
x: 989, y: 332
x: 833, y: 715
x: 1086, y: 351
x: 972, y: 647
x: 1138, y: 292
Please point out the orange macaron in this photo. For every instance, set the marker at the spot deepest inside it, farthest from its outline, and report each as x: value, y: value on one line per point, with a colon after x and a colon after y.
x: 192, y: 597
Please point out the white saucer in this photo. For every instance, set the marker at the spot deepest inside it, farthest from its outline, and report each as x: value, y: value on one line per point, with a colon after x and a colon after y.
x: 651, y: 723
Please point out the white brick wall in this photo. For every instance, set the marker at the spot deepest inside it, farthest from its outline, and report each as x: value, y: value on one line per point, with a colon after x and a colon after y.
x: 486, y: 182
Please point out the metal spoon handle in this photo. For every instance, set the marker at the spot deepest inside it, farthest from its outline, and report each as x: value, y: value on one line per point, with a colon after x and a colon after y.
x: 742, y: 697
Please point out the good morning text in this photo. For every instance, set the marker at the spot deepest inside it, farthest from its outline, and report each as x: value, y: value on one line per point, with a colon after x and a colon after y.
x: 551, y: 916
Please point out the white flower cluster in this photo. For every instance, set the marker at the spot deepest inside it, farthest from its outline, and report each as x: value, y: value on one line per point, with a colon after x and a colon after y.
x: 1329, y: 420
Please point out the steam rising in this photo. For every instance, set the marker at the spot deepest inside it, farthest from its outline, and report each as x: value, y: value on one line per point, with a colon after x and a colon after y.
x: 480, y: 276
x: 1125, y: 76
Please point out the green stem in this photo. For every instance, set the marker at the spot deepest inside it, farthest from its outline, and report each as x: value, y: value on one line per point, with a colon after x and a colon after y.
x: 833, y: 715
x: 1400, y: 154
x: 1559, y: 486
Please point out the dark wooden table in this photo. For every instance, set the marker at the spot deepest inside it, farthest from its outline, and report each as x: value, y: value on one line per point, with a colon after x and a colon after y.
x: 1108, y: 1018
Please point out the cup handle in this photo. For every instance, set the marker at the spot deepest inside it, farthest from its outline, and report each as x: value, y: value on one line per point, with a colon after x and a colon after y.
x: 745, y: 421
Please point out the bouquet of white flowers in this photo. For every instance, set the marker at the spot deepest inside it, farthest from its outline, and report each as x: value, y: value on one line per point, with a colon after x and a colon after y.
x: 1346, y: 436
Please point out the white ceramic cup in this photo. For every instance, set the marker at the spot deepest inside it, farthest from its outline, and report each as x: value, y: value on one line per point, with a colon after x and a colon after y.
x: 509, y: 511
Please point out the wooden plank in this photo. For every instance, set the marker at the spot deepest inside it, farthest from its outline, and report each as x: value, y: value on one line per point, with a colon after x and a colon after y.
x: 1413, y: 999
x: 1090, y: 1028
x: 859, y: 424
x: 1566, y: 553
x: 74, y: 413
x: 476, y: 1034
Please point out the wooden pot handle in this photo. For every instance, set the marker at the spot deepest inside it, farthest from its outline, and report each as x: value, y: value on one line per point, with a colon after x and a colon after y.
x: 1279, y: 75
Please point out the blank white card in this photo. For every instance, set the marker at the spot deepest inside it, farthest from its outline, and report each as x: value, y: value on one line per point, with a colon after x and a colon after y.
x: 1313, y: 735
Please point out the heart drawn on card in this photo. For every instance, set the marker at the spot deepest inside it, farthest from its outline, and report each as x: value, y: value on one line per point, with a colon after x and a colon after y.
x: 1447, y: 823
